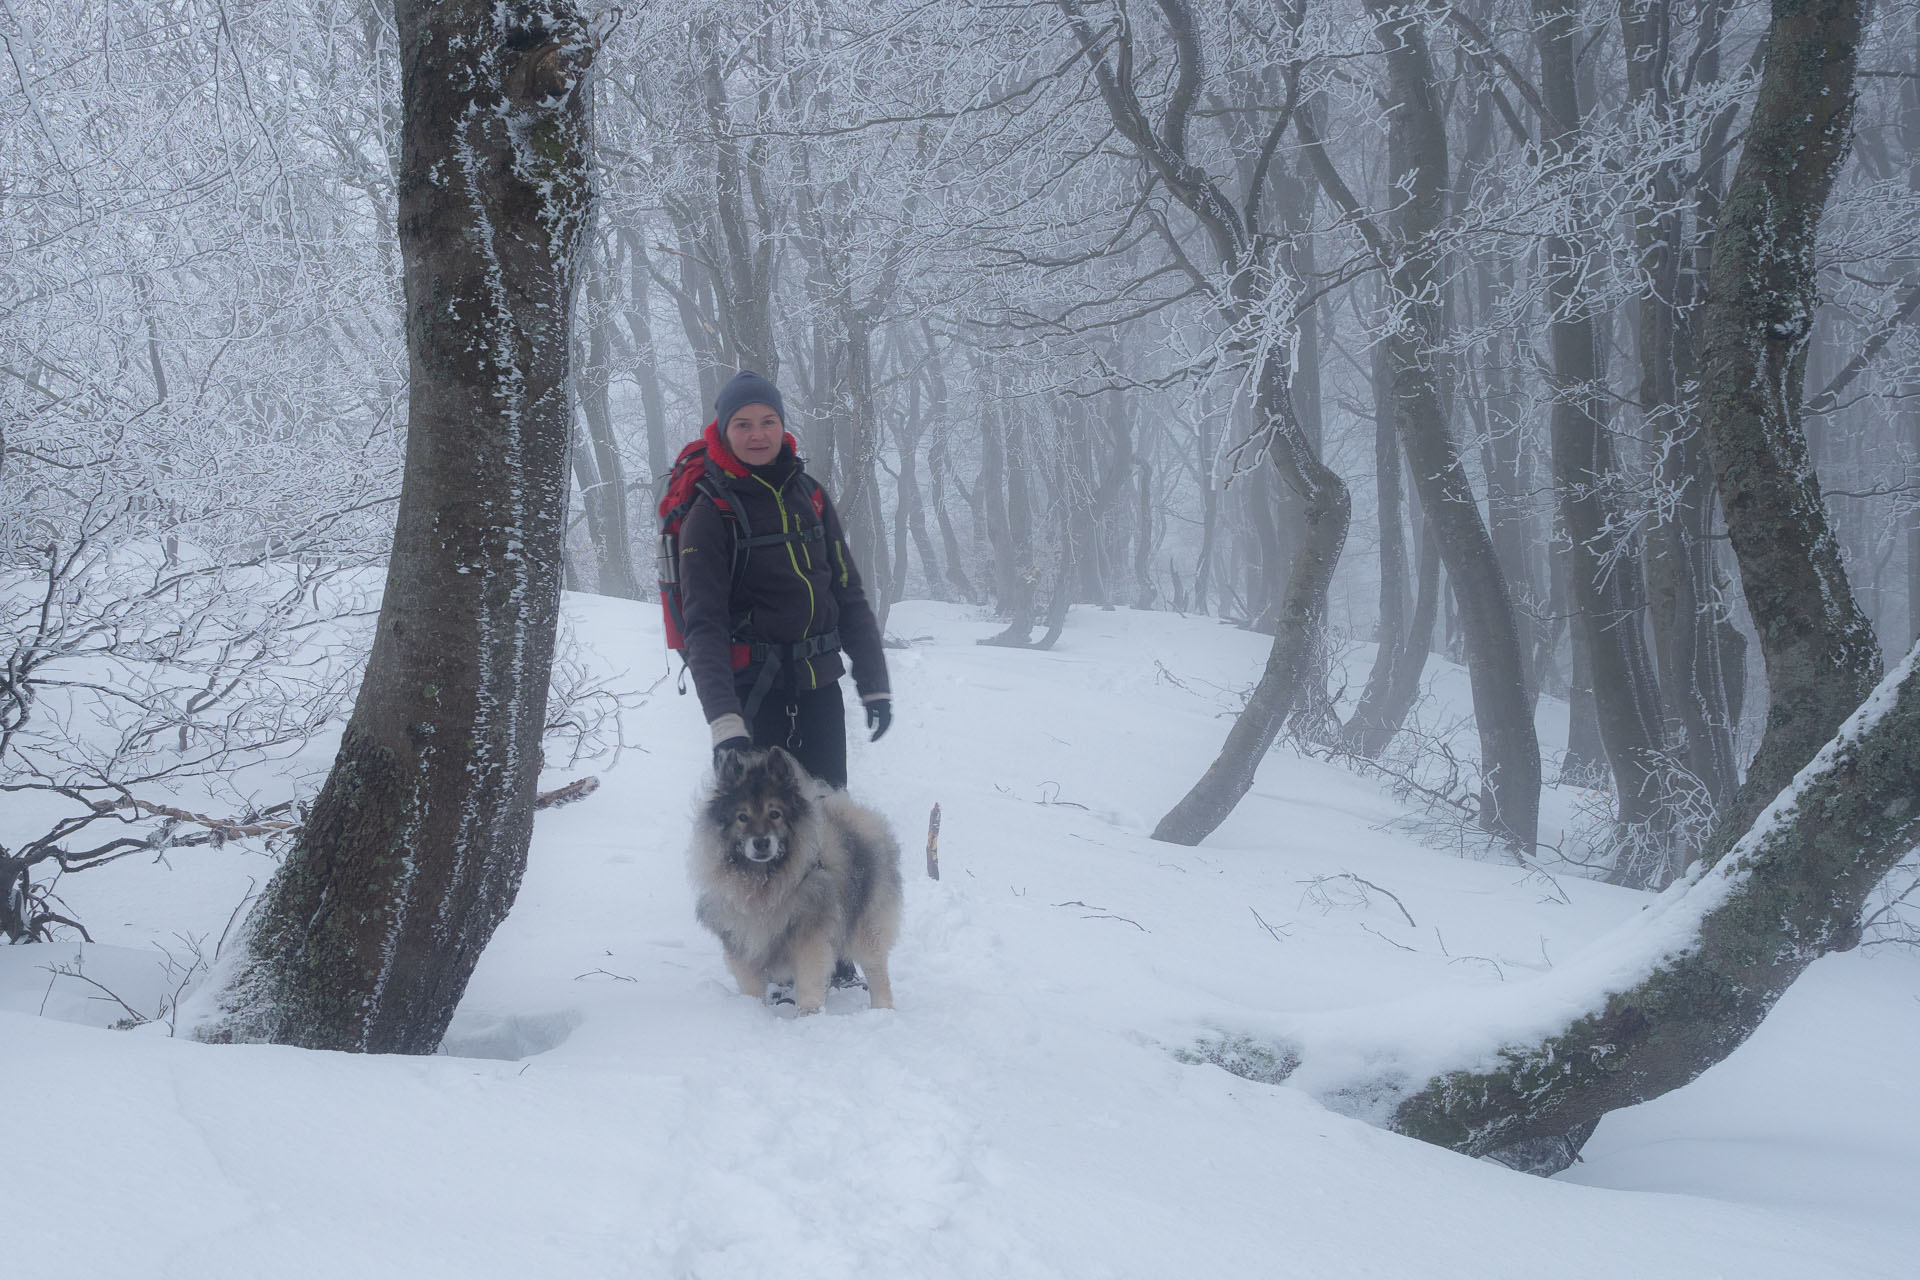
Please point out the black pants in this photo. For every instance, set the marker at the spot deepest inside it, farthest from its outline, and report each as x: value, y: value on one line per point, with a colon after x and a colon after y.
x: 815, y: 733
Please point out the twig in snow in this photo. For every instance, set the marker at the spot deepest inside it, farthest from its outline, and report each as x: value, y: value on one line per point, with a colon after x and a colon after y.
x: 1315, y: 890
x: 1101, y: 913
x: 1277, y: 936
x: 617, y: 977
x: 237, y: 907
x: 1453, y: 959
x: 1055, y: 799
x: 73, y: 971
x: 1498, y: 971
x: 1384, y: 938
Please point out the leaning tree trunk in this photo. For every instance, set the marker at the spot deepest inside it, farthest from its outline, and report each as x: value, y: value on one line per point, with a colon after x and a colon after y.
x: 1791, y: 889
x: 366, y: 936
x: 1327, y: 508
x: 1789, y: 892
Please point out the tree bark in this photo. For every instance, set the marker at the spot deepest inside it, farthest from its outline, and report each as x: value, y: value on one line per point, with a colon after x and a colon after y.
x: 367, y: 935
x: 1819, y: 650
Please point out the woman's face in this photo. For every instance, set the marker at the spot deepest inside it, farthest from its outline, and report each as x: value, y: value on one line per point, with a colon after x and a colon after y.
x: 754, y: 433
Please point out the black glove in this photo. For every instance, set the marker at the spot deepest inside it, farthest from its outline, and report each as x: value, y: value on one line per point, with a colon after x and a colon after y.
x: 727, y: 748
x: 879, y: 717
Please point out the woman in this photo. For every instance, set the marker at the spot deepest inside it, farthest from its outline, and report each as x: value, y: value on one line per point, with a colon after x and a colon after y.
x: 772, y: 597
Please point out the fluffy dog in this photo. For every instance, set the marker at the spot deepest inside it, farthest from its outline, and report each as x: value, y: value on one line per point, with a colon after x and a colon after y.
x: 794, y: 877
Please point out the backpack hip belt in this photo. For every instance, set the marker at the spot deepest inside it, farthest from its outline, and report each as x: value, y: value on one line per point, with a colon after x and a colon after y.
x: 772, y: 658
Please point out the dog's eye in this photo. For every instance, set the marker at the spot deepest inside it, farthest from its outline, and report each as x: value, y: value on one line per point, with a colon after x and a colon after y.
x: 741, y: 816
x: 773, y: 815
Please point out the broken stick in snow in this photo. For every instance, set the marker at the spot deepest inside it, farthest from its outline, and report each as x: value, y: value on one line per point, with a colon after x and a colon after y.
x: 578, y: 789
x: 933, y: 844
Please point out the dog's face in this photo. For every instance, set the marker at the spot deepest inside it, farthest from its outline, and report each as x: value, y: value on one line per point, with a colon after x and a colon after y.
x: 756, y: 805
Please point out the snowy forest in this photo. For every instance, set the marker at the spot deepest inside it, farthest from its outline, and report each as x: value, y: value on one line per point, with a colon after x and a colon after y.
x: 1501, y: 417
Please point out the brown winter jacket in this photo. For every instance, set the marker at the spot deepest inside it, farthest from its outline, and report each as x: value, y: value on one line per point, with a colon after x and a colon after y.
x: 785, y: 593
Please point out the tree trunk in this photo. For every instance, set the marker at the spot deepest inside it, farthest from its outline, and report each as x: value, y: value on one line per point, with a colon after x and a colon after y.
x: 613, y: 541
x: 949, y: 540
x: 1146, y: 593
x: 1819, y: 650
x: 1685, y: 611
x: 1405, y: 639
x: 1018, y: 540
x: 366, y: 936
x: 743, y: 257
x: 1604, y: 572
x: 1328, y: 508
x: 990, y: 514
x: 646, y: 357
x: 1910, y: 419
x: 912, y: 512
x: 1417, y: 149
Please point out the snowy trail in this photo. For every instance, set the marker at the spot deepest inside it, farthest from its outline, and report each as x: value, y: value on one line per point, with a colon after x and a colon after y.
x: 611, y: 1107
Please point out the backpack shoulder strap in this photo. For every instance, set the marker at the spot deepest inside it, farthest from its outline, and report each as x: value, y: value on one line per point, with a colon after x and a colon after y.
x: 733, y: 514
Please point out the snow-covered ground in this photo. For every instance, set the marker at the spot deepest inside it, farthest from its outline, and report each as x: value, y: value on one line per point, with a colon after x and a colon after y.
x: 609, y: 1107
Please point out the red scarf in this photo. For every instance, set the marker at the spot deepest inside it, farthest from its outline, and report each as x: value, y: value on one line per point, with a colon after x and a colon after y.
x: 722, y: 457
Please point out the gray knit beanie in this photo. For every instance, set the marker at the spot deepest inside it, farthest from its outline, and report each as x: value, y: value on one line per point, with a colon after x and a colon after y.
x: 745, y: 388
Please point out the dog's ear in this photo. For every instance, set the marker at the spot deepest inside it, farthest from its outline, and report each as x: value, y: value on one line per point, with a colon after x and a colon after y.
x: 730, y: 768
x: 780, y: 767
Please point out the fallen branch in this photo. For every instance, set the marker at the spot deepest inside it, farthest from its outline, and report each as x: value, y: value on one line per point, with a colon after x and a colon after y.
x: 578, y: 789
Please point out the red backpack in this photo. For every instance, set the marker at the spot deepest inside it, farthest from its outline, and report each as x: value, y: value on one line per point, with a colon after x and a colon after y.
x: 685, y: 483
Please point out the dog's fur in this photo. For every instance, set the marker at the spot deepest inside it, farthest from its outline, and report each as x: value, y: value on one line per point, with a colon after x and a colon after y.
x: 794, y: 877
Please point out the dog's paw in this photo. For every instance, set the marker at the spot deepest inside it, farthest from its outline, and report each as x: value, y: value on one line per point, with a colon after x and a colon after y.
x: 780, y: 993
x: 846, y: 977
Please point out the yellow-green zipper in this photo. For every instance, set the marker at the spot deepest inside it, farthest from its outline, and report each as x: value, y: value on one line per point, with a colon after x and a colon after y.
x: 794, y: 559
